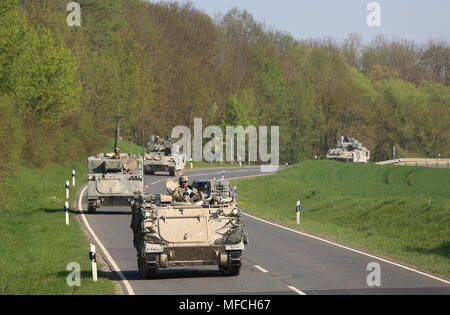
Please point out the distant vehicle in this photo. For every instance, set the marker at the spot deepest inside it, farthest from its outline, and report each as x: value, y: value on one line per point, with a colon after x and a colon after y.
x: 208, y: 232
x: 113, y: 179
x: 349, y: 150
x: 161, y: 157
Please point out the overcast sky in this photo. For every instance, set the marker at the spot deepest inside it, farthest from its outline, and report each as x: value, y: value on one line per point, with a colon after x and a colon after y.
x: 417, y: 20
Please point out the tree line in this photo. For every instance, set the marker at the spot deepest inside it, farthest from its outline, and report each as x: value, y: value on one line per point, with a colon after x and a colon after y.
x: 148, y: 67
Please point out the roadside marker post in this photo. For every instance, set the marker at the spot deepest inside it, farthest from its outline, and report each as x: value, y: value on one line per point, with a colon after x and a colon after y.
x: 67, y: 189
x: 298, y: 210
x: 66, y: 210
x: 192, y: 166
x: 73, y: 178
x: 93, y: 259
x: 240, y: 162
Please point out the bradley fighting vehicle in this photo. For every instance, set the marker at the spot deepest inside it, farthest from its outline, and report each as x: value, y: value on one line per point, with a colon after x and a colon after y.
x: 161, y: 156
x: 205, y: 232
x: 349, y: 150
x: 114, y: 179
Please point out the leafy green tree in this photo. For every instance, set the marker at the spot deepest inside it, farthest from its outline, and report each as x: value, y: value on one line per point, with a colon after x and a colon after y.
x: 437, y: 117
x: 234, y: 114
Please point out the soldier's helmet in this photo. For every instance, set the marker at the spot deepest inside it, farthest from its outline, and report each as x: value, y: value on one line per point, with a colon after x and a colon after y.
x: 182, y: 179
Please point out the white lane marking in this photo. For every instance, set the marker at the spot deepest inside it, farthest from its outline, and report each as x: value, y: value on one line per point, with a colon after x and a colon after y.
x: 232, y: 170
x: 105, y: 252
x: 261, y: 268
x: 351, y: 249
x: 249, y: 176
x: 296, y: 290
x: 244, y: 168
x: 155, y: 182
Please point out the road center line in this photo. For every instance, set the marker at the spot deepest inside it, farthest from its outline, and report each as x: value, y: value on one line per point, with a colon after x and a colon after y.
x: 300, y: 292
x: 261, y: 269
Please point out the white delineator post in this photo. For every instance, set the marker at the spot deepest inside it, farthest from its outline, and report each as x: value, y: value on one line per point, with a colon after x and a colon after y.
x: 66, y: 210
x: 240, y: 162
x: 67, y: 189
x: 298, y: 208
x: 73, y: 178
x: 93, y: 258
x: 192, y: 166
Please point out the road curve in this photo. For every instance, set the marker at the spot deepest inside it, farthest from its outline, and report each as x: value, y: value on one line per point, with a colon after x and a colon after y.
x: 276, y: 261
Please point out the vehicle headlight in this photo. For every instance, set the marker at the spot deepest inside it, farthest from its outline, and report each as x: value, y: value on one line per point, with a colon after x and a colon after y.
x: 235, y: 211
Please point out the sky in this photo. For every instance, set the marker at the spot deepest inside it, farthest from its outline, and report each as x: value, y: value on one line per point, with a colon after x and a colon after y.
x: 418, y: 20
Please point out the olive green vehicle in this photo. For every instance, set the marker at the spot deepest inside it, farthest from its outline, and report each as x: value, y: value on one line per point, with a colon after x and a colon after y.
x: 161, y: 156
x: 208, y: 232
x: 113, y: 180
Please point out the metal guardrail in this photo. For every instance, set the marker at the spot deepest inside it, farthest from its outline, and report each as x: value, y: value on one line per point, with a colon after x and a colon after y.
x: 437, y: 163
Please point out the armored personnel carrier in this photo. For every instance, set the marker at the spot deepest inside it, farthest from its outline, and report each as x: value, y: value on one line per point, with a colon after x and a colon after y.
x: 207, y: 232
x: 114, y: 179
x: 349, y: 150
x: 161, y: 157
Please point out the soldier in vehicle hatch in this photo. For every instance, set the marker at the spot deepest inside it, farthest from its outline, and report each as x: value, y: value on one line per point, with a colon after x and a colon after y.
x: 117, y: 154
x: 183, y: 192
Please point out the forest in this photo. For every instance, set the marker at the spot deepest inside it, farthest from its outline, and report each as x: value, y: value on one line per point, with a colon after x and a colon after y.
x: 148, y: 67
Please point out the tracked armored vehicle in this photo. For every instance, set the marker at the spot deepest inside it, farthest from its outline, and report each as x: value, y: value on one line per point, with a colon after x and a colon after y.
x: 208, y: 232
x: 113, y: 179
x: 161, y: 156
x: 349, y: 150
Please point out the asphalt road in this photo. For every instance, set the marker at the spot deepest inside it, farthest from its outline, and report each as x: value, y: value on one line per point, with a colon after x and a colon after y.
x: 276, y: 261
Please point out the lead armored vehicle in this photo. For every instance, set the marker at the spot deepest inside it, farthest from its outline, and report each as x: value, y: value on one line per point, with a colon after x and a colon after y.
x: 349, y: 150
x: 207, y: 232
x: 114, y: 179
x: 161, y: 156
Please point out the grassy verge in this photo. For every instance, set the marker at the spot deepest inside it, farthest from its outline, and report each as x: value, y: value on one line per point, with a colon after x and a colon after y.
x: 35, y: 243
x: 399, y: 212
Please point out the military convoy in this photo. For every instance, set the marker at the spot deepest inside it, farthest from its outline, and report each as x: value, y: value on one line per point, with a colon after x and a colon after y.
x: 113, y: 179
x: 205, y: 232
x: 161, y: 156
x: 205, y: 229
x: 349, y: 150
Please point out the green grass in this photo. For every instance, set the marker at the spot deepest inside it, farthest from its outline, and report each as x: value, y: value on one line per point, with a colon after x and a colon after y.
x: 407, y: 219
x: 35, y: 244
